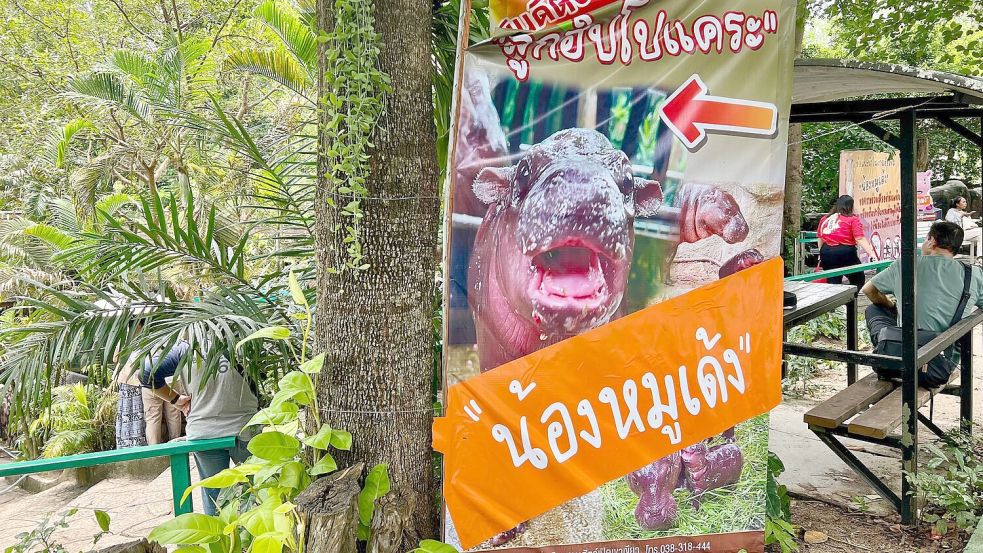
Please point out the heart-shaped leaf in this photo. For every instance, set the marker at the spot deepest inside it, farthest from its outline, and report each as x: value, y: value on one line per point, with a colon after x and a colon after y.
x: 190, y: 528
x: 324, y: 465
x: 274, y: 446
x: 313, y: 365
x: 376, y: 486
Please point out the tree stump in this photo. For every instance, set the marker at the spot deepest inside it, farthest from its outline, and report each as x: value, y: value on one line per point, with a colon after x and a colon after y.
x: 392, y: 524
x: 329, y: 512
x: 137, y: 546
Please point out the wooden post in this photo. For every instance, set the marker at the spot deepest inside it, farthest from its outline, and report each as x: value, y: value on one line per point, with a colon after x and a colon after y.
x: 328, y: 510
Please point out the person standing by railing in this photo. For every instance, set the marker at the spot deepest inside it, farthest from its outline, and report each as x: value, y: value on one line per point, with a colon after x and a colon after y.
x: 839, y: 234
x: 218, y: 406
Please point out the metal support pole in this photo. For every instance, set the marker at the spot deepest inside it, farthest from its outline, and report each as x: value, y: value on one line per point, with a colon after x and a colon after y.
x: 858, y: 466
x: 180, y: 481
x: 851, y: 339
x: 966, y: 383
x: 909, y: 322
x: 784, y: 357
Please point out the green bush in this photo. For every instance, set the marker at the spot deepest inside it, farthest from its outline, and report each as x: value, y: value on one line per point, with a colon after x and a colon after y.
x: 951, y: 483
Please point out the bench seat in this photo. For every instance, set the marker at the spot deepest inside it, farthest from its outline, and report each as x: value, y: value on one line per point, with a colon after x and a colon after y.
x: 872, y: 407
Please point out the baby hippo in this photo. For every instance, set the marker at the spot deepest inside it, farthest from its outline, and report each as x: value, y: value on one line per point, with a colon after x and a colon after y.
x: 741, y: 261
x: 699, y: 467
x: 553, y: 251
x: 656, y: 509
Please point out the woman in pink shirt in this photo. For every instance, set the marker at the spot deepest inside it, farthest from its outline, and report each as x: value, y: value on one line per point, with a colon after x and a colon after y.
x: 839, y: 234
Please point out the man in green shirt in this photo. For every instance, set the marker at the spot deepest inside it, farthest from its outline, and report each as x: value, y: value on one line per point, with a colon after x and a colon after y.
x: 939, y: 278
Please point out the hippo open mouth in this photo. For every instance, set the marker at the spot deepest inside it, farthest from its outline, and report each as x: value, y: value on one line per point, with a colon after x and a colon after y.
x: 569, y: 283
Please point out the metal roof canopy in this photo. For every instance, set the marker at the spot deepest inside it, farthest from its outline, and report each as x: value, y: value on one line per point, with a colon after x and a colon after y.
x: 826, y: 80
x: 822, y: 89
x: 821, y: 93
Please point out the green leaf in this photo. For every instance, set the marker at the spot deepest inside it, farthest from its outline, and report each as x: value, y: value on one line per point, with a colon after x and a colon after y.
x: 274, y: 446
x: 271, y: 332
x: 296, y: 292
x: 376, y: 485
x: 271, y: 542
x: 226, y: 478
x: 102, y: 517
x: 275, y: 414
x: 294, y: 476
x: 267, y: 472
x: 191, y: 549
x: 190, y: 528
x: 258, y: 521
x: 297, y: 386
x: 329, y: 437
x: 364, y: 532
x: 434, y: 546
x: 313, y: 365
x: 325, y: 465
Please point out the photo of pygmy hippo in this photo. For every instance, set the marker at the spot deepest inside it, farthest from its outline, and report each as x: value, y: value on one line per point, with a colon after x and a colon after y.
x: 552, y: 254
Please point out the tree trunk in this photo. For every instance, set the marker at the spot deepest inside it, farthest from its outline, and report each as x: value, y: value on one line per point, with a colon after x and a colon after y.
x: 792, y: 216
x: 792, y: 220
x: 375, y: 326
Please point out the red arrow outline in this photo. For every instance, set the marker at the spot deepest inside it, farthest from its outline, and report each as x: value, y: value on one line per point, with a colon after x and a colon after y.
x: 702, y: 100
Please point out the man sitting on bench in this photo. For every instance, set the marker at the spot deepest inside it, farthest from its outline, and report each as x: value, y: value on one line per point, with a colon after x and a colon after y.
x: 940, y: 302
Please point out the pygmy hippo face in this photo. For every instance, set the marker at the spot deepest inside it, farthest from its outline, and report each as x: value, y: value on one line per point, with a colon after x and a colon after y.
x: 562, y: 223
x: 724, y: 218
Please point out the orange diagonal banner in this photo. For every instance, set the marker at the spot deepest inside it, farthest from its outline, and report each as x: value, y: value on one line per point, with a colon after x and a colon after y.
x: 536, y: 432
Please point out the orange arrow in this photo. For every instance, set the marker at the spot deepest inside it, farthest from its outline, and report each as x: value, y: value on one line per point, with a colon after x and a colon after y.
x: 690, y: 112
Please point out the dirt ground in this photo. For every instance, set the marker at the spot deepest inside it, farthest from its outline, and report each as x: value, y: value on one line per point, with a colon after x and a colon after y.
x: 849, y: 531
x: 829, y: 498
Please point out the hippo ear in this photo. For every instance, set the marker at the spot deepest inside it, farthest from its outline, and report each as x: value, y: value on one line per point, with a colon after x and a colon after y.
x: 648, y: 197
x: 492, y: 184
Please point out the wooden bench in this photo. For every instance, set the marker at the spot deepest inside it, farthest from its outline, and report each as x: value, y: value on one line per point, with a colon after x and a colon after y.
x: 870, y: 407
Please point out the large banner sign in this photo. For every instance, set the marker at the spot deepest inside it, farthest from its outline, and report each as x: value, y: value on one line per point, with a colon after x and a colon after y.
x: 612, y: 336
x: 874, y: 181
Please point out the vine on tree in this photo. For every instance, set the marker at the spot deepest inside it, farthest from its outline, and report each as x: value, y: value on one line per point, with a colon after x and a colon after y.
x: 353, y: 105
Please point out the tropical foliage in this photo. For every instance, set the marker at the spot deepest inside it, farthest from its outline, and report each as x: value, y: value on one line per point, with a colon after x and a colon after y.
x: 945, y: 36
x: 258, y: 513
x: 166, y: 178
x: 167, y: 197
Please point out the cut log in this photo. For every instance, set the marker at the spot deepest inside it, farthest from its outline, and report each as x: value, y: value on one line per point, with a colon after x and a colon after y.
x: 136, y: 546
x: 329, y: 512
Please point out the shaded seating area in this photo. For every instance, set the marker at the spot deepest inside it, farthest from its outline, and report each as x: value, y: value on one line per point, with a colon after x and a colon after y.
x: 886, y: 412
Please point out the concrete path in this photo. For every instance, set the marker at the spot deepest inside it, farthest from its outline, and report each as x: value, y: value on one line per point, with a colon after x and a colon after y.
x: 813, y: 470
x: 135, y: 505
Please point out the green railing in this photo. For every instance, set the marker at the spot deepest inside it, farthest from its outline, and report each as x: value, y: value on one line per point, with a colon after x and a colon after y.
x: 870, y: 266
x: 177, y: 451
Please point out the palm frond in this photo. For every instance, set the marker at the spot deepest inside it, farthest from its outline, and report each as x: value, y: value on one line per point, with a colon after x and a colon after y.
x: 64, y: 215
x: 277, y: 65
x: 296, y: 35
x: 64, y: 137
x: 113, y: 203
x: 107, y: 90
x: 132, y: 63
